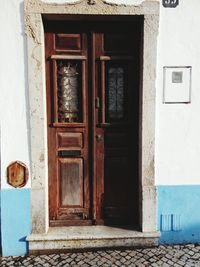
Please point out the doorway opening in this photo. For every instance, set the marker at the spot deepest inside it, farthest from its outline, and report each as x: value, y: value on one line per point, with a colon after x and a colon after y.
x: 92, y: 80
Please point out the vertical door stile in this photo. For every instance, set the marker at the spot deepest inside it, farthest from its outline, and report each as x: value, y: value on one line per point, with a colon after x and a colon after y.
x: 52, y: 167
x: 55, y: 88
x: 84, y: 93
x: 100, y: 118
x: 94, y: 118
x: 86, y: 134
x: 103, y: 120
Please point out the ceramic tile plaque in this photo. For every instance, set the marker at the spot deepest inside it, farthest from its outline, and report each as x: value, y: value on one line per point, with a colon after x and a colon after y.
x: 17, y: 174
x: 177, y: 84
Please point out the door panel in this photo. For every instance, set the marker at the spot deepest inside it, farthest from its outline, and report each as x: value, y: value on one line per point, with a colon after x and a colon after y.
x: 71, y: 185
x: 93, y: 119
x: 68, y: 42
x: 70, y: 141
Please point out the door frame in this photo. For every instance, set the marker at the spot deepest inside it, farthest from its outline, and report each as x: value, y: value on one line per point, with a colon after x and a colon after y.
x: 35, y: 12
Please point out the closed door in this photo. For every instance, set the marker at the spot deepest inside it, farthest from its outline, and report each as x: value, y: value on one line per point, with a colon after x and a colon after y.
x: 92, y: 72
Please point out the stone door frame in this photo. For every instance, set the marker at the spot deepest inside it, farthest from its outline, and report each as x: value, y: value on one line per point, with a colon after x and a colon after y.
x: 34, y: 9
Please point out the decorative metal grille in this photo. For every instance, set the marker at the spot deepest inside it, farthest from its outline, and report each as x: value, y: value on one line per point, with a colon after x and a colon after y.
x: 69, y: 84
x: 115, y: 93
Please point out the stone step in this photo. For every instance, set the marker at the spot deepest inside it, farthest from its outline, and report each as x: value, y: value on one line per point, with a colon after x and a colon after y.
x: 89, y: 237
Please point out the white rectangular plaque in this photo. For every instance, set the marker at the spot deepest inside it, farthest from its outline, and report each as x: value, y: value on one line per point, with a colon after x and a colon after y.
x: 177, y: 84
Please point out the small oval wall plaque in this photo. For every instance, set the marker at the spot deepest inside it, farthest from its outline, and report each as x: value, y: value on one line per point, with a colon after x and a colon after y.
x: 17, y: 174
x: 170, y: 3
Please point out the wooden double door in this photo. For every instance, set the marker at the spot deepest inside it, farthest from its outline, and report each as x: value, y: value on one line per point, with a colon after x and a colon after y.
x: 92, y: 72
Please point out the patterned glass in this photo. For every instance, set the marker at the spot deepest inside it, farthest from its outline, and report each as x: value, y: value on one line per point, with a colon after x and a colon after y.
x: 69, y: 91
x: 115, y: 87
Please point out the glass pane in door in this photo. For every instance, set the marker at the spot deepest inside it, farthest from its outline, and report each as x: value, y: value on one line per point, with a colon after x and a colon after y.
x: 69, y: 91
x: 115, y: 86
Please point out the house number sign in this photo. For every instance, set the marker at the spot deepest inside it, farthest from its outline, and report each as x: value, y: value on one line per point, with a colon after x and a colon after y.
x: 170, y: 3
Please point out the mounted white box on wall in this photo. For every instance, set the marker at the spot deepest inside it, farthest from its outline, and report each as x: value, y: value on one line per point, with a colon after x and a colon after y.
x: 177, y: 84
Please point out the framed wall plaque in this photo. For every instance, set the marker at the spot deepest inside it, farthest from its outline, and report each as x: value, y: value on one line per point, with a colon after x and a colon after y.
x: 17, y: 174
x: 177, y: 84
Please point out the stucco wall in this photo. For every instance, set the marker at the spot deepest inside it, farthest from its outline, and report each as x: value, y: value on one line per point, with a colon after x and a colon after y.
x: 177, y: 125
x: 177, y: 168
x: 15, y: 203
x: 13, y: 87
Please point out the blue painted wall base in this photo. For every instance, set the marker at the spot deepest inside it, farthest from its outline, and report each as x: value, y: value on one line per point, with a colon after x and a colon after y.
x: 178, y: 217
x: 15, y: 221
x: 179, y: 214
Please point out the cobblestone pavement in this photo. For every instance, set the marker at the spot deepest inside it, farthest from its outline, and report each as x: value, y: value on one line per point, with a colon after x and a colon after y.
x: 177, y: 256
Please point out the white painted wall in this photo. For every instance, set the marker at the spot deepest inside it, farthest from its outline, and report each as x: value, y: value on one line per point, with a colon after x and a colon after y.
x: 13, y: 87
x: 177, y: 125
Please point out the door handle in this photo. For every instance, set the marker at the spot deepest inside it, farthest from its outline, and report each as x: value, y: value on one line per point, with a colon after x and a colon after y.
x: 97, y: 102
x: 99, y: 137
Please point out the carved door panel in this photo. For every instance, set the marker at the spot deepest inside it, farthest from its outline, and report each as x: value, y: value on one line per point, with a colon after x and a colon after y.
x: 92, y: 75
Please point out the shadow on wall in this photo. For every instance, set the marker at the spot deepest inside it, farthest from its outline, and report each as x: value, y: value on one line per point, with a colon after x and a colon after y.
x: 22, y: 19
x: 23, y: 239
x: 185, y: 236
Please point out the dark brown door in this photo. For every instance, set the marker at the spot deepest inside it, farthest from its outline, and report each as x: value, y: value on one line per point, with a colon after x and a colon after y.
x: 92, y: 72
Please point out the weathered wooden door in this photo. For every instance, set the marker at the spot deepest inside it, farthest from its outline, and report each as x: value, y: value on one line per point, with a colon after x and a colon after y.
x: 92, y: 72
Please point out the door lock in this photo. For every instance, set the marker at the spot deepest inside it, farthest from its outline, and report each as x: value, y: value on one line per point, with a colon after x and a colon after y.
x: 99, y: 137
x: 85, y: 216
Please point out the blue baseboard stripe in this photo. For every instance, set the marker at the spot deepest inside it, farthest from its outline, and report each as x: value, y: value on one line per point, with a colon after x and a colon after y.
x: 15, y: 221
x: 179, y: 214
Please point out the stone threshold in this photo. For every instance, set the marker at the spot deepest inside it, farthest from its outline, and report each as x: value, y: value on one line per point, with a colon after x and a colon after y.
x: 89, y: 237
